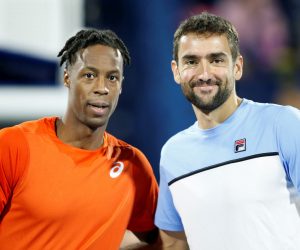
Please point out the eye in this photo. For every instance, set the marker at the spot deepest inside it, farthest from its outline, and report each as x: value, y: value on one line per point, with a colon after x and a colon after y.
x: 190, y: 62
x: 113, y: 78
x: 89, y: 75
x: 218, y: 60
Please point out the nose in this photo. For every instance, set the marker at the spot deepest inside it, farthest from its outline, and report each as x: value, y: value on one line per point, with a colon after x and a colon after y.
x: 100, y: 86
x: 204, y: 72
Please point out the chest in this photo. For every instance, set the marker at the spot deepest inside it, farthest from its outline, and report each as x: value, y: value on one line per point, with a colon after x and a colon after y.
x: 57, y: 185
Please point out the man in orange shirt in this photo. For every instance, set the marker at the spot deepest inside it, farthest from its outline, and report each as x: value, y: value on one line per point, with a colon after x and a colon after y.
x: 65, y: 183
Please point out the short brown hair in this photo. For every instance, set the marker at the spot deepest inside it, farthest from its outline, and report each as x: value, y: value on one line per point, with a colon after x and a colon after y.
x: 206, y: 23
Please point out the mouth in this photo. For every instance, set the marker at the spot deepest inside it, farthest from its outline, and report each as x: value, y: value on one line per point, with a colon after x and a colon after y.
x: 204, y: 86
x: 98, y: 108
x: 204, y: 83
x: 98, y: 104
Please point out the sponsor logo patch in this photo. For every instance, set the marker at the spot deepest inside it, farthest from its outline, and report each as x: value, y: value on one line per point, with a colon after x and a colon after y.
x: 240, y: 145
x: 117, y: 169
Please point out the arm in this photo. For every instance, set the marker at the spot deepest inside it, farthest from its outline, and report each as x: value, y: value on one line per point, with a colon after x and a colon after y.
x: 288, y: 139
x: 141, y: 230
x: 170, y: 240
x: 167, y: 218
x: 167, y: 240
x: 139, y: 240
x: 13, y: 159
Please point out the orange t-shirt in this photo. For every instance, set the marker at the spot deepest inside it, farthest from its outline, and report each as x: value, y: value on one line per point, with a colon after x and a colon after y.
x: 55, y: 196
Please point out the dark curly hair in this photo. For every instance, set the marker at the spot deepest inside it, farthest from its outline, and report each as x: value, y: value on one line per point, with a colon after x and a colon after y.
x: 206, y: 23
x: 88, y: 37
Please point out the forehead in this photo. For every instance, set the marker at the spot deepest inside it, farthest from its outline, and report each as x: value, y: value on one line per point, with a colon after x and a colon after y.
x: 203, y: 44
x: 99, y: 56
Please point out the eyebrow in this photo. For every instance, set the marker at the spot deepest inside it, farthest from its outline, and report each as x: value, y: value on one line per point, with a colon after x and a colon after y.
x: 190, y: 57
x: 97, y: 71
x: 90, y: 68
x: 211, y: 55
x: 216, y: 55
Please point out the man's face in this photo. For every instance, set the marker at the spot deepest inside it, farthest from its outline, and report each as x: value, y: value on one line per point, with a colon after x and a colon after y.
x: 206, y: 70
x: 94, y: 83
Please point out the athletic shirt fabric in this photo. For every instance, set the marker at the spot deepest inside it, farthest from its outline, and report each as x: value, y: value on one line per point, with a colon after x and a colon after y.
x: 56, y: 196
x: 235, y: 186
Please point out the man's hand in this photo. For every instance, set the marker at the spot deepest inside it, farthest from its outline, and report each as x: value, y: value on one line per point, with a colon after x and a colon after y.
x: 170, y: 240
x: 139, y: 240
x: 164, y: 240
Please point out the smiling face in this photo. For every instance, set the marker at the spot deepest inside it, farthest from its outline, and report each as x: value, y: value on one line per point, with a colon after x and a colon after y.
x: 205, y: 70
x: 94, y: 82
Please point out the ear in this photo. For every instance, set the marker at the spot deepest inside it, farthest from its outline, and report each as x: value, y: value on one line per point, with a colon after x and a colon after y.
x: 238, y: 67
x: 67, y: 80
x: 175, y: 71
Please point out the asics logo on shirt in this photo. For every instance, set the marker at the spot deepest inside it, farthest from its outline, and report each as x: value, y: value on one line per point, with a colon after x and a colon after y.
x: 116, y: 169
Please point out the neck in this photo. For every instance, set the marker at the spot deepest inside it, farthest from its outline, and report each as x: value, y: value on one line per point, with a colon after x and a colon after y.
x: 219, y: 115
x: 79, y: 136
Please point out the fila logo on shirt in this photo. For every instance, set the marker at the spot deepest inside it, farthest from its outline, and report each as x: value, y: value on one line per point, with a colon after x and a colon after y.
x: 116, y: 169
x: 240, y: 145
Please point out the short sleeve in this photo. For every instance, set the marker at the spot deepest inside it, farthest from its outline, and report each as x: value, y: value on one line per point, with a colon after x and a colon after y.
x: 142, y: 218
x: 166, y: 217
x: 13, y: 160
x: 288, y: 140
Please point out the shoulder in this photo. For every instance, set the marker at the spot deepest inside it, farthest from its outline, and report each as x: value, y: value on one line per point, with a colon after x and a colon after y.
x: 11, y: 135
x: 269, y: 111
x: 14, y: 149
x: 288, y: 120
x: 17, y: 133
x: 116, y: 143
x: 289, y: 112
x: 276, y: 112
x: 13, y: 139
x: 131, y: 153
x: 269, y: 108
x: 279, y: 119
x: 14, y: 154
x: 36, y: 126
x: 29, y: 126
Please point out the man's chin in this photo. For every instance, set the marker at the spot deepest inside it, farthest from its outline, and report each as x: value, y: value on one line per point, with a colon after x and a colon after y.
x: 96, y: 123
x: 206, y: 106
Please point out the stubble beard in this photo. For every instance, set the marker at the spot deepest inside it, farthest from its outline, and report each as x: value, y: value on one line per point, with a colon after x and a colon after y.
x: 210, y: 105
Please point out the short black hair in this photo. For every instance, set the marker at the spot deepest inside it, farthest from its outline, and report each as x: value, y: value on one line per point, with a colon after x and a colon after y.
x: 207, y: 24
x: 87, y: 37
